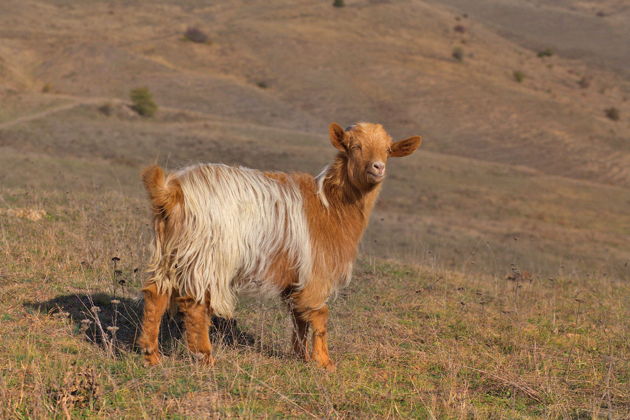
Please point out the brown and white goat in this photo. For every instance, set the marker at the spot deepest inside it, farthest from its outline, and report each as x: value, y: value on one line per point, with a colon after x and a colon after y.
x: 219, y: 229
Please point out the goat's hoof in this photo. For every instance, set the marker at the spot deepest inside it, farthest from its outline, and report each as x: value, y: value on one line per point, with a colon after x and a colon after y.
x: 328, y: 365
x: 204, y: 359
x: 207, y: 360
x: 151, y: 359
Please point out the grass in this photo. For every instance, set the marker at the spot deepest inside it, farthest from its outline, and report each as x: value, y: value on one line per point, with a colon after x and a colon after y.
x: 411, y: 341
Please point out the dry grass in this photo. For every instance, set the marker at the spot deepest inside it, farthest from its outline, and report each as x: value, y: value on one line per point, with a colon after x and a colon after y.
x: 411, y: 341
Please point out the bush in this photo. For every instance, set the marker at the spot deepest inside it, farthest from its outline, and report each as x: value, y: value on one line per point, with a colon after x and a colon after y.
x: 339, y: 3
x: 460, y: 29
x: 458, y: 53
x: 612, y: 113
x: 584, y: 82
x: 196, y: 35
x: 548, y: 52
x: 106, y: 109
x: 142, y: 102
x: 519, y: 76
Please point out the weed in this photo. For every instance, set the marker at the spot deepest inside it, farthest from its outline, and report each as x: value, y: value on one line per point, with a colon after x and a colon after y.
x: 459, y: 29
x: 142, y: 102
x: 547, y: 52
x: 339, y: 3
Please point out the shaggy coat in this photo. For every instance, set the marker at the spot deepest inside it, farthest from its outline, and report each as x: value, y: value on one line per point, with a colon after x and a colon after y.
x: 220, y: 230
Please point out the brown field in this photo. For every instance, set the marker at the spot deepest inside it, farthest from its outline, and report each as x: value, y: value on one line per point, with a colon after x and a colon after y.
x: 494, y: 279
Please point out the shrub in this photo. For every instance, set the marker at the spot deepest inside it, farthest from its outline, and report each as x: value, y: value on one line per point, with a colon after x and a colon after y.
x: 106, y: 109
x: 612, y: 113
x: 584, y: 82
x: 519, y: 76
x: 548, y: 52
x: 196, y: 35
x: 262, y: 84
x: 458, y: 53
x: 142, y: 102
x: 459, y: 28
x: 339, y: 3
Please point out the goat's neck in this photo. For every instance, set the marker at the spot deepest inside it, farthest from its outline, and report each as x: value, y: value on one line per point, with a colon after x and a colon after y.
x: 344, y: 198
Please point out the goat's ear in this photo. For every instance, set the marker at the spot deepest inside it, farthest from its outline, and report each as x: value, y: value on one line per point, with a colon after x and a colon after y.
x: 405, y: 147
x: 338, y: 137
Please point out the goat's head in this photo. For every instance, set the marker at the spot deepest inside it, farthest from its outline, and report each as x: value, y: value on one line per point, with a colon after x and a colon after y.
x: 366, y: 148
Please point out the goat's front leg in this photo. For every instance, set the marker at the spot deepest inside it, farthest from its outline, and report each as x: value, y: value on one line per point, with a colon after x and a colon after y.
x: 318, y: 319
x: 197, y: 323
x: 155, y: 305
x: 300, y: 329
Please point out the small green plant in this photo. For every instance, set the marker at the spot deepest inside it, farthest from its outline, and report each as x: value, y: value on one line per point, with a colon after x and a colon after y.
x: 196, y: 35
x: 547, y: 52
x: 262, y: 84
x: 612, y: 113
x: 142, y: 102
x: 519, y: 76
x: 458, y: 53
x: 339, y: 3
x: 47, y: 88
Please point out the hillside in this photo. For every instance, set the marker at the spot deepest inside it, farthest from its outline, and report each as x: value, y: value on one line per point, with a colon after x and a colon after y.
x: 495, y: 268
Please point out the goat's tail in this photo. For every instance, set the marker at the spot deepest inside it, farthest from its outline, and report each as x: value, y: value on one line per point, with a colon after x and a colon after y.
x: 165, y: 194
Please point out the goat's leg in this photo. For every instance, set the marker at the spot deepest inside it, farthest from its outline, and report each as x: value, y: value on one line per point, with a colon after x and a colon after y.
x: 318, y: 320
x: 300, y: 329
x: 155, y: 305
x: 197, y: 324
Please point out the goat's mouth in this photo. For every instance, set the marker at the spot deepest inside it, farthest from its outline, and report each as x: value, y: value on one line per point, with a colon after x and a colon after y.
x: 374, y: 177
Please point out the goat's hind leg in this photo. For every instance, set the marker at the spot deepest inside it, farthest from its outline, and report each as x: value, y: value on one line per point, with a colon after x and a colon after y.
x: 155, y: 305
x: 197, y: 324
x: 300, y: 331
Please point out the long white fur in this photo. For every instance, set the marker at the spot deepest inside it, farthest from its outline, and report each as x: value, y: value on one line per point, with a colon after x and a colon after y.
x: 235, y: 221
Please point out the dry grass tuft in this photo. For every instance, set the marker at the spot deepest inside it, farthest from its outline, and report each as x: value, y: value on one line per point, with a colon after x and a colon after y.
x: 80, y: 390
x: 25, y: 213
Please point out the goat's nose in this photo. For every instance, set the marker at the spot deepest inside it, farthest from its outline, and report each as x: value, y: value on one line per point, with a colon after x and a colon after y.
x: 378, y: 167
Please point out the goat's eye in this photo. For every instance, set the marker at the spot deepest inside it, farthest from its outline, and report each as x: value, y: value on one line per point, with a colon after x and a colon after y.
x: 389, y: 150
x: 356, y: 147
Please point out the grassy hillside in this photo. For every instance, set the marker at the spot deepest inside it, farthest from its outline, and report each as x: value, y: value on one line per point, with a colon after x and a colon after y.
x: 494, y: 276
x: 410, y: 341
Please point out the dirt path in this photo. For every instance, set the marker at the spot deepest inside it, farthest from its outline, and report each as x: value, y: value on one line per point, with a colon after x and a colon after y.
x: 50, y: 111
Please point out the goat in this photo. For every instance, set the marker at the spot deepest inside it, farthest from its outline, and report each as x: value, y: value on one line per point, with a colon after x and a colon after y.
x: 220, y: 229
